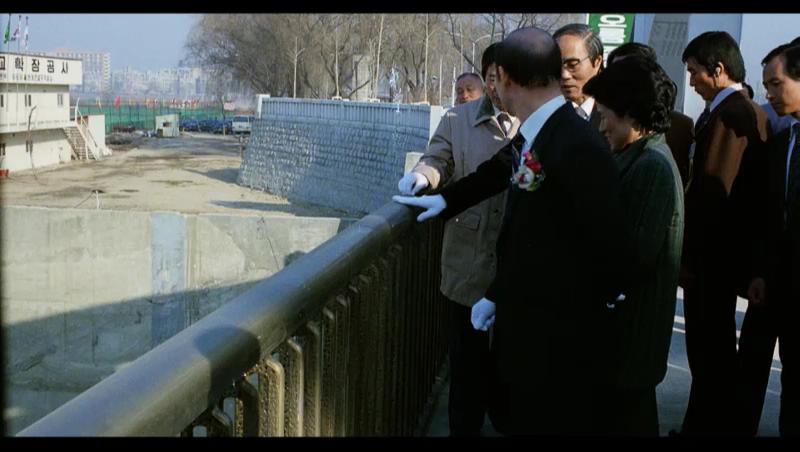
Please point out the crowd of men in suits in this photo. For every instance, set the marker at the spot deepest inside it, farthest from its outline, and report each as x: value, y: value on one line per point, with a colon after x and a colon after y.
x: 577, y: 199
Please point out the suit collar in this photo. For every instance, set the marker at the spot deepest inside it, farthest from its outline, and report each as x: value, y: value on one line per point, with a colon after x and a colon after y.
x: 731, y: 97
x: 485, y: 111
x: 722, y: 95
x: 626, y: 158
x: 535, y: 122
x: 551, y: 125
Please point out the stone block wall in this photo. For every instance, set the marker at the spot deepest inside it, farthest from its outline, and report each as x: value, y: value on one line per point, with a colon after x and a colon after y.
x: 344, y: 155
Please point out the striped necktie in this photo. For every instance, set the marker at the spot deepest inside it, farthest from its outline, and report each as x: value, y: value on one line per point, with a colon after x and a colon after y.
x: 702, y: 120
x: 516, y: 150
x: 582, y: 113
x: 505, y: 122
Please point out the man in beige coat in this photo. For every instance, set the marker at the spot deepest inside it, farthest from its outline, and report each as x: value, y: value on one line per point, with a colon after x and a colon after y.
x: 468, y: 135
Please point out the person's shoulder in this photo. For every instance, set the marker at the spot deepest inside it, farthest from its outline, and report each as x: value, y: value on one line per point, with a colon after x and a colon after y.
x: 465, y: 112
x: 781, y: 138
x: 656, y: 164
x: 679, y: 118
x: 741, y: 111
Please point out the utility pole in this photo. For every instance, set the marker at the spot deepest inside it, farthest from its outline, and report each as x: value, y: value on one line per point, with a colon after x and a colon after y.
x: 336, y: 57
x: 296, y: 55
x: 378, y: 64
x: 425, y: 76
x: 440, y: 80
x: 453, y: 92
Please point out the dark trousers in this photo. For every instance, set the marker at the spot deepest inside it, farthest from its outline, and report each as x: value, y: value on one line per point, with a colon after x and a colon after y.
x: 710, y: 311
x: 469, y: 373
x: 627, y: 411
x: 756, y: 351
x: 789, y: 350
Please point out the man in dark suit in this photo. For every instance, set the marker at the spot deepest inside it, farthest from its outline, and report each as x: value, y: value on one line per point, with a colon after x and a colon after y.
x: 561, y: 252
x: 774, y: 295
x: 680, y: 135
x: 582, y: 56
x: 722, y: 205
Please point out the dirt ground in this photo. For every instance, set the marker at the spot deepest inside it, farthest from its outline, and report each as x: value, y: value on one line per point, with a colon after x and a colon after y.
x: 195, y: 173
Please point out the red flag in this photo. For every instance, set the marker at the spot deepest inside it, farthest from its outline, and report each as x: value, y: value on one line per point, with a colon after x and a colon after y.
x: 117, y: 102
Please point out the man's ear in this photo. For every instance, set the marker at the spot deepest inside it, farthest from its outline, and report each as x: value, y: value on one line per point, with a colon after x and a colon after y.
x: 502, y: 75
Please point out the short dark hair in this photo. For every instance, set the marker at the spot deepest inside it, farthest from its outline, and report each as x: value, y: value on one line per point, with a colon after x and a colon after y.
x: 713, y: 47
x: 469, y: 74
x: 487, y: 59
x: 791, y: 58
x: 795, y: 41
x: 638, y: 87
x: 594, y: 46
x: 530, y: 57
x: 632, y: 49
x: 775, y: 52
x: 749, y: 90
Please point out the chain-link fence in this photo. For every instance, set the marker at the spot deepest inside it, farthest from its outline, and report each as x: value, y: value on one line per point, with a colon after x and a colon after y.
x: 143, y: 117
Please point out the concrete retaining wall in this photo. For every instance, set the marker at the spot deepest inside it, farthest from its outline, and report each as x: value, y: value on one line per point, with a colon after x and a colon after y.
x: 344, y: 155
x: 85, y: 292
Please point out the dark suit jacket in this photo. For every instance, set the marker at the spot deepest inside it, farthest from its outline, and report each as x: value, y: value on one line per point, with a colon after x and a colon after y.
x: 724, y: 201
x: 652, y: 194
x: 780, y: 261
x: 595, y: 117
x: 560, y: 257
x: 679, y: 138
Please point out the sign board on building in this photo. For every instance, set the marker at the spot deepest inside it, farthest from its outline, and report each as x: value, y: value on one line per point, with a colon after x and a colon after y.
x: 229, y: 106
x: 613, y: 30
x: 39, y: 70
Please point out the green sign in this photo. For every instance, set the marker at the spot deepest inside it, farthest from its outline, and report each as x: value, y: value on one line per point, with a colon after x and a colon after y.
x: 613, y: 29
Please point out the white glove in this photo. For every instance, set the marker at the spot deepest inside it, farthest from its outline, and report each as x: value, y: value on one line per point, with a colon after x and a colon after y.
x: 482, y: 314
x: 433, y: 205
x: 412, y: 183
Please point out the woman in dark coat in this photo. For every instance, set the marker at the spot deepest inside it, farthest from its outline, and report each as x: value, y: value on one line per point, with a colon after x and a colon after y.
x: 635, y: 97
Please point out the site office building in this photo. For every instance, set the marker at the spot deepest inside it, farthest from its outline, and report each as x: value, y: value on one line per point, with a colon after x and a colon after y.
x: 34, y: 109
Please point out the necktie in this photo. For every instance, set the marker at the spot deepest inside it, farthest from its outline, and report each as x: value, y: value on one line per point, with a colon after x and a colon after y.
x: 793, y: 180
x: 582, y: 113
x: 702, y: 120
x: 505, y: 121
x: 516, y: 150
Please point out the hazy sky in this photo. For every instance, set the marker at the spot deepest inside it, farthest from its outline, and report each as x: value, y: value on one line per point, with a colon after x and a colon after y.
x: 142, y: 41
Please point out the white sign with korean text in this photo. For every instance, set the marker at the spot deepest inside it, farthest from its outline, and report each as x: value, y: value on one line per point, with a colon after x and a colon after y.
x: 39, y: 70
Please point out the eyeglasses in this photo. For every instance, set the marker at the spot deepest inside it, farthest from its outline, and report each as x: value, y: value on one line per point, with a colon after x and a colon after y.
x: 571, y: 64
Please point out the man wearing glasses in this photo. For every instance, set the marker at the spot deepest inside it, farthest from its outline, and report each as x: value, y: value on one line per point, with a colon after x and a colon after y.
x: 582, y: 59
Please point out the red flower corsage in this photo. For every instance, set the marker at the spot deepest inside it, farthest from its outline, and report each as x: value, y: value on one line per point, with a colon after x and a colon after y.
x: 530, y: 174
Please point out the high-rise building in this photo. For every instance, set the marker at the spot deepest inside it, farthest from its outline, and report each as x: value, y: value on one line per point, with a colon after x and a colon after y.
x: 96, y: 71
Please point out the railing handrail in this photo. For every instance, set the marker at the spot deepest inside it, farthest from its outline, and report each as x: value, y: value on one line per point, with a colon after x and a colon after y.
x: 83, y: 128
x: 165, y: 389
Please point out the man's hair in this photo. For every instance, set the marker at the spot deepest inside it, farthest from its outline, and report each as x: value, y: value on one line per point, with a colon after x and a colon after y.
x: 749, y: 89
x: 791, y: 58
x: 632, y: 49
x: 592, y: 42
x: 487, y: 59
x: 714, y: 47
x: 637, y: 87
x: 795, y: 41
x: 530, y: 59
x: 469, y: 74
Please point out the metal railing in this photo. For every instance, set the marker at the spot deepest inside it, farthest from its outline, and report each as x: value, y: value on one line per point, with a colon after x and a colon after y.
x: 345, y: 341
x: 83, y: 128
